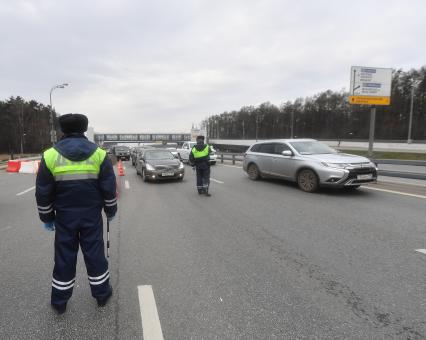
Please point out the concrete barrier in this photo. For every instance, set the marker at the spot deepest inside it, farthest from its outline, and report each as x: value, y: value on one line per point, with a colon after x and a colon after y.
x: 13, y: 166
x: 29, y: 167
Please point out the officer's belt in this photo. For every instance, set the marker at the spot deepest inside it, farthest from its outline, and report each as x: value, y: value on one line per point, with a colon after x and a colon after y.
x: 74, y: 177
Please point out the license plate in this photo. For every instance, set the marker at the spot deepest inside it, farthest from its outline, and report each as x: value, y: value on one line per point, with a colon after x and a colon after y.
x: 366, y: 176
x: 167, y: 174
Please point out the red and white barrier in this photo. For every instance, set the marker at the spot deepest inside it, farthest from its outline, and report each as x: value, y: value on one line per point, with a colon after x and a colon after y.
x: 13, y: 166
x: 30, y: 167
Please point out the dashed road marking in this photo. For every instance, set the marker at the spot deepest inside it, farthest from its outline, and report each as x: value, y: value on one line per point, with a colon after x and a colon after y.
x: 6, y: 228
x: 126, y: 184
x: 423, y: 251
x: 151, y: 326
x: 396, y: 192
x: 217, y: 181
x: 25, y: 191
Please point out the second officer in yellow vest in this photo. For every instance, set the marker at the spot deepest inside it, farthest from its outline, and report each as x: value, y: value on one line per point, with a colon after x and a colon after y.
x: 200, y: 158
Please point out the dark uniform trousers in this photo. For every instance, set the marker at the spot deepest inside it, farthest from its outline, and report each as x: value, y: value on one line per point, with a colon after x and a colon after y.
x: 203, y: 177
x: 88, y: 234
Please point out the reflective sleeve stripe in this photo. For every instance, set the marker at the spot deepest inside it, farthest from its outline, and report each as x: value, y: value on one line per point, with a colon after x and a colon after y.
x: 73, y: 177
x: 110, y: 201
x: 99, y: 282
x: 63, y: 283
x: 111, y: 204
x: 63, y: 288
x: 98, y: 277
x: 45, y: 211
x: 44, y: 208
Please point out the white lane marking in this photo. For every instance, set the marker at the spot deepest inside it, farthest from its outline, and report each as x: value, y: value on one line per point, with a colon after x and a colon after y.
x: 396, y: 192
x: 423, y: 251
x: 25, y: 191
x: 231, y: 166
x: 6, y: 228
x: 217, y: 181
x: 127, y: 184
x: 150, y: 321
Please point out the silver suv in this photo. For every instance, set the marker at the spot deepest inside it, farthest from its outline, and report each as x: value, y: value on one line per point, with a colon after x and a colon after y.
x: 309, y: 163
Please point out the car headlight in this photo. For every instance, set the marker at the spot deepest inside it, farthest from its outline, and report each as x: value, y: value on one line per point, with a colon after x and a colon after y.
x: 181, y: 166
x: 336, y: 165
x: 149, y: 167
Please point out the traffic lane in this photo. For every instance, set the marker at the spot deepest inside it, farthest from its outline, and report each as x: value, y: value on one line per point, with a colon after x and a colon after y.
x: 405, y: 185
x: 210, y: 279
x: 366, y: 237
x: 398, y: 188
x: 229, y: 255
x: 26, y: 250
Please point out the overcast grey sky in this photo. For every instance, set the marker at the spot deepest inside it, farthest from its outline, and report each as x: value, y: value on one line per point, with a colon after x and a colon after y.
x: 158, y: 66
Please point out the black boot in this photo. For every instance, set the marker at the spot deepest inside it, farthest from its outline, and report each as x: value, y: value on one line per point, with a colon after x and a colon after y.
x: 59, y: 309
x: 102, y: 302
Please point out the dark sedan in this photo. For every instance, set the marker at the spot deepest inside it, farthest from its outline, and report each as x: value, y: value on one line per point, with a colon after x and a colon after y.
x: 159, y: 164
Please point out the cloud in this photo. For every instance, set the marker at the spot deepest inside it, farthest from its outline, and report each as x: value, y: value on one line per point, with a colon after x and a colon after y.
x: 136, y: 66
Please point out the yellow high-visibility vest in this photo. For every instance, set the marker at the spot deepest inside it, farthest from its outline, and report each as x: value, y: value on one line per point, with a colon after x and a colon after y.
x: 202, y: 153
x: 64, y: 169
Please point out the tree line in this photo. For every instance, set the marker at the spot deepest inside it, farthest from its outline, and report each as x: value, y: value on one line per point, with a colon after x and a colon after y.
x: 328, y: 115
x: 24, y: 126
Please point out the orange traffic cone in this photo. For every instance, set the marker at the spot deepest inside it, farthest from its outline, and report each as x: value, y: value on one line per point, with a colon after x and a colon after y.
x: 120, y: 168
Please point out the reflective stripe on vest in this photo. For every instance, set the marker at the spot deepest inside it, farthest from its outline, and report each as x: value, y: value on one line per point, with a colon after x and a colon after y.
x: 202, y: 153
x: 64, y: 169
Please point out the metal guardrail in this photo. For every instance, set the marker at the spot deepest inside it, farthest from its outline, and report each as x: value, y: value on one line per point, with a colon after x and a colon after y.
x: 400, y: 162
x: 238, y: 157
x: 230, y: 157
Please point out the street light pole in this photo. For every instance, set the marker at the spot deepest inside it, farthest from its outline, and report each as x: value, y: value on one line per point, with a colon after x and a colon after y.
x: 22, y: 128
x: 52, y: 128
x: 410, y: 123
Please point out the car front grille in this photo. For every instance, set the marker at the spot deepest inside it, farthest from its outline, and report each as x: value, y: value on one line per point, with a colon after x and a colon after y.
x: 166, y: 167
x: 362, y: 171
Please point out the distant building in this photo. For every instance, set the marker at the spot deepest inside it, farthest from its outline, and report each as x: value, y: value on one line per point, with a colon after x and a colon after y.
x: 197, y: 132
x: 90, y: 134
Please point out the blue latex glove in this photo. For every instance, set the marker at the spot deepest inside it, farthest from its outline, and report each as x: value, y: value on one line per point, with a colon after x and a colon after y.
x: 110, y: 218
x: 49, y: 226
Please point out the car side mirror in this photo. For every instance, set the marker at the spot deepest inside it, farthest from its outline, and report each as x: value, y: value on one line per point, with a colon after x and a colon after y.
x: 287, y: 153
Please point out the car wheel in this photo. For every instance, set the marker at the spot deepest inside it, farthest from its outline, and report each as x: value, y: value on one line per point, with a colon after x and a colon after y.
x: 253, y: 172
x: 145, y: 179
x: 213, y: 163
x: 307, y: 180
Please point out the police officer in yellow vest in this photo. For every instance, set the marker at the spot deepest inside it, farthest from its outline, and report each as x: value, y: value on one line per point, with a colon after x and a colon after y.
x: 200, y: 158
x: 74, y: 183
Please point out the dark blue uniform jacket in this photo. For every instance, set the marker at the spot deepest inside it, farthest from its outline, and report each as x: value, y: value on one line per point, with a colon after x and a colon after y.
x: 77, y: 202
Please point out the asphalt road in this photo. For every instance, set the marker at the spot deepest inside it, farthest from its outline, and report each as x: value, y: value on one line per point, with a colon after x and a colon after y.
x: 257, y: 260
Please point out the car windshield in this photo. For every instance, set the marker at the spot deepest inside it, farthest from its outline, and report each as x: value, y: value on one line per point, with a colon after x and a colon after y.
x: 160, y: 154
x: 312, y: 148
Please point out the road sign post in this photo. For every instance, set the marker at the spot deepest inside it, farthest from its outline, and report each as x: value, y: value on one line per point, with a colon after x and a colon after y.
x: 372, y: 129
x: 370, y: 86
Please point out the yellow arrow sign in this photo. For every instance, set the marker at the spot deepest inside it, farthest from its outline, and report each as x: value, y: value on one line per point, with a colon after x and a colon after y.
x: 367, y: 100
